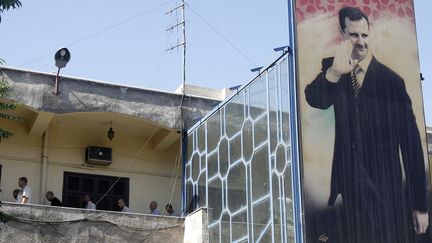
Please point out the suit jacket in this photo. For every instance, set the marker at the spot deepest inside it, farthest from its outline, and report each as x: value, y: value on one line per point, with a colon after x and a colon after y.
x: 370, y: 130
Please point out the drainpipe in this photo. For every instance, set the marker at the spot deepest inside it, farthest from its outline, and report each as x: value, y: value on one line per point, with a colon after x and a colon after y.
x: 44, y: 166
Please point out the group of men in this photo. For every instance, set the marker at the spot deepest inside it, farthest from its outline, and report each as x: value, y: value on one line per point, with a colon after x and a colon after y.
x: 124, y: 208
x: 23, y: 196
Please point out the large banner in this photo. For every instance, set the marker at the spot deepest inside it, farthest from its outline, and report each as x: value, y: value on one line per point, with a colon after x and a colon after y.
x: 365, y: 169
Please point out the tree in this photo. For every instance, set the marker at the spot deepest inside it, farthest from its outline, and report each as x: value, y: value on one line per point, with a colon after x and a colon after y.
x: 4, y: 134
x: 5, y: 89
x: 5, y: 5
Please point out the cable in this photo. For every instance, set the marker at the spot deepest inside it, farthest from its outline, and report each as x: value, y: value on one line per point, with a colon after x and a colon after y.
x: 100, y: 31
x: 158, y: 64
x: 129, y: 165
x: 172, y: 186
x: 222, y: 36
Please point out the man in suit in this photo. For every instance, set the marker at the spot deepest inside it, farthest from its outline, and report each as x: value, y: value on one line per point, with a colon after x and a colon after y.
x: 384, y: 194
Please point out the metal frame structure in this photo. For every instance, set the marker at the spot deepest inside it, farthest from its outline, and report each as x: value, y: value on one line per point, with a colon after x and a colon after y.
x: 242, y: 160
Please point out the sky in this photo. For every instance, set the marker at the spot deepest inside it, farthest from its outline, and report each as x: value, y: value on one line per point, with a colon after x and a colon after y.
x: 124, y: 42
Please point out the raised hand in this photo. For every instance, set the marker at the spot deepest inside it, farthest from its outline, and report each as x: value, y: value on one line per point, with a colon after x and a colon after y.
x: 343, y: 63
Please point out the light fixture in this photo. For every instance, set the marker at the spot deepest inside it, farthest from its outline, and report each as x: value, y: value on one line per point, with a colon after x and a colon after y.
x: 284, y: 49
x: 257, y: 69
x: 110, y: 133
x: 62, y: 57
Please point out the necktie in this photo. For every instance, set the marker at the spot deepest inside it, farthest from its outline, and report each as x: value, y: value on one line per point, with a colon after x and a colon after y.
x: 354, y: 80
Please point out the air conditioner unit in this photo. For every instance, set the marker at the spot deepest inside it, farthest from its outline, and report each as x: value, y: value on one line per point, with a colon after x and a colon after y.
x: 98, y: 155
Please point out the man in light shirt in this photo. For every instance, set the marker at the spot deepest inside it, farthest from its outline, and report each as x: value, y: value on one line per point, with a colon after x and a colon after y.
x: 24, y: 196
x: 153, y: 208
x: 88, y: 202
x: 122, y: 205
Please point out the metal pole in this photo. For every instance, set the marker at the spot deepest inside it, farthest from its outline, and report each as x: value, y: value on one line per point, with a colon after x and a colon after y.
x: 183, y: 132
x: 295, y: 125
x: 184, y: 46
x: 56, y: 84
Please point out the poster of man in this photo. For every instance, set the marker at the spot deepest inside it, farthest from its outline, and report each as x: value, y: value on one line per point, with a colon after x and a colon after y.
x: 365, y: 168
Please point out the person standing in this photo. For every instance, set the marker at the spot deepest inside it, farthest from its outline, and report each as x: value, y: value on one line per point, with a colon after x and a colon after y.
x: 54, y: 200
x: 122, y: 205
x: 153, y: 208
x: 24, y: 196
x: 170, y: 211
x: 15, y: 194
x: 88, y: 202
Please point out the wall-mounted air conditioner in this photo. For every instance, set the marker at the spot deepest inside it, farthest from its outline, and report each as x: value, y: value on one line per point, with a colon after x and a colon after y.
x: 98, y: 155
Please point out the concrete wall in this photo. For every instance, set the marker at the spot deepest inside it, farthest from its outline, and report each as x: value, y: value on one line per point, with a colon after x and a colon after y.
x: 34, y: 89
x: 196, y: 227
x: 36, y: 224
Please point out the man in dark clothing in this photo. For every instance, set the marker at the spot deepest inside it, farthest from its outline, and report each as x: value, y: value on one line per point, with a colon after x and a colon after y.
x: 374, y: 125
x: 54, y: 201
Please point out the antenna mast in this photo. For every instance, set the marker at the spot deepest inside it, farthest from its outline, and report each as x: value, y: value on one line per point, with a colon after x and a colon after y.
x: 183, y: 135
x: 182, y: 23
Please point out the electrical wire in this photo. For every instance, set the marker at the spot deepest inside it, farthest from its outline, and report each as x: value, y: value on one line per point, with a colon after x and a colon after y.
x: 99, y: 32
x: 158, y: 64
x: 129, y: 165
x: 172, y: 185
x: 123, y: 22
x: 222, y: 36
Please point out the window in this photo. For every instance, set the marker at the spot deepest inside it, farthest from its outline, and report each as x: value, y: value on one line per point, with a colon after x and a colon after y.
x: 76, y: 185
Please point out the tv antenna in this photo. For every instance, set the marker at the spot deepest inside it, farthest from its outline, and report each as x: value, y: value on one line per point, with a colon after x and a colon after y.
x: 181, y: 24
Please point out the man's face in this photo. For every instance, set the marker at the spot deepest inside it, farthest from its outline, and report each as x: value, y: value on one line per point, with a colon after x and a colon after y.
x: 358, y: 33
x: 21, y: 184
x: 153, y: 205
x: 170, y: 209
x: 120, y: 204
x: 49, y: 197
x: 86, y: 198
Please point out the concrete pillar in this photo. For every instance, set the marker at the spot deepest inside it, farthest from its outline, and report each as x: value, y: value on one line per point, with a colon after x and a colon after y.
x: 196, y: 227
x: 44, y: 166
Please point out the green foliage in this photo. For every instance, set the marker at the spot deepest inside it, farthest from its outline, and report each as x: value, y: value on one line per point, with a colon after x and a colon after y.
x: 6, y: 5
x: 5, y: 106
x: 4, y: 218
x: 5, y: 89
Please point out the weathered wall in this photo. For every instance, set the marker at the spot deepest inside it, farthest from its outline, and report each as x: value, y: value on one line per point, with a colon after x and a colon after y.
x: 78, y: 95
x: 55, y: 224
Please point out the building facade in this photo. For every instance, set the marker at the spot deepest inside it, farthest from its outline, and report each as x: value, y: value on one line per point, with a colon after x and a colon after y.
x: 49, y: 146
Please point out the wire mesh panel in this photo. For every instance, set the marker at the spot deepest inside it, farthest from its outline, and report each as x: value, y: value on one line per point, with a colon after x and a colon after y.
x: 239, y: 162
